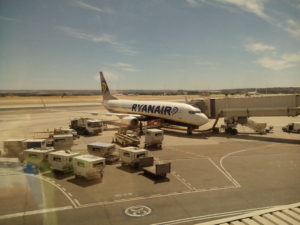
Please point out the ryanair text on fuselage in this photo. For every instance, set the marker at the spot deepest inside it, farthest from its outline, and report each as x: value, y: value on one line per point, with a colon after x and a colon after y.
x: 157, y: 109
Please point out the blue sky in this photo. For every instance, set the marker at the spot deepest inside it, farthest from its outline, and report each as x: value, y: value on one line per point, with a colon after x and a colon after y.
x: 149, y: 44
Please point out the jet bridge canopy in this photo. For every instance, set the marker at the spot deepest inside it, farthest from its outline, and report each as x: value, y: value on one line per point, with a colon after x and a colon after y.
x: 278, y: 105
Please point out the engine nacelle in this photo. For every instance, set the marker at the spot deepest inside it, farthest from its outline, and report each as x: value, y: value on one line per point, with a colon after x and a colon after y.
x: 130, y: 121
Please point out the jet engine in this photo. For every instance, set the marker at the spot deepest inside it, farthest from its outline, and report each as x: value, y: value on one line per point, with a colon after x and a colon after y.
x: 130, y: 121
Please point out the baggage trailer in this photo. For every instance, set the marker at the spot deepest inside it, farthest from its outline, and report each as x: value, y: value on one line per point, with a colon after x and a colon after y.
x: 62, y: 141
x: 158, y: 169
x: 131, y: 156
x: 87, y: 126
x: 61, y: 160
x: 13, y: 147
x: 88, y: 166
x: 126, y: 138
x: 154, y: 138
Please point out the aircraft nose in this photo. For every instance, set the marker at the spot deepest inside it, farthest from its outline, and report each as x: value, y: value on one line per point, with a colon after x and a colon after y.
x: 203, y: 118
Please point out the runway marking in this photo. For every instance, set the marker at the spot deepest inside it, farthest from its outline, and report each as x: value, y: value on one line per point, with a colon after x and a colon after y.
x: 226, y: 174
x: 50, y: 182
x: 182, y: 180
x: 154, y: 196
x: 77, y: 202
x: 231, y: 153
x: 210, y: 216
x: 40, y: 211
x: 70, y: 194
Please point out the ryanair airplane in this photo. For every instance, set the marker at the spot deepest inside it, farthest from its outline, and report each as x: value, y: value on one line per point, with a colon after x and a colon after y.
x: 131, y: 111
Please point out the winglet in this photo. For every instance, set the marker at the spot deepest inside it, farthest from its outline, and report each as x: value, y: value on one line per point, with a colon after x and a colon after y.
x: 105, y: 90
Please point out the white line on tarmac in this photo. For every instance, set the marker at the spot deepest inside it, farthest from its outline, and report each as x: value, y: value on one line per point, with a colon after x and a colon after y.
x: 231, y: 153
x: 154, y: 196
x: 50, y: 182
x: 77, y: 202
x: 209, y: 216
x: 226, y: 174
x: 177, y: 176
x: 14, y: 215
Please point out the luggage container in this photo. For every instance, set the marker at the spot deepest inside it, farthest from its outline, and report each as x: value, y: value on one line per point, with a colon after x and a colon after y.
x: 13, y: 147
x: 101, y: 149
x: 35, y: 143
x: 62, y: 141
x: 37, y: 157
x: 154, y: 138
x: 88, y: 166
x: 131, y: 156
x: 61, y: 160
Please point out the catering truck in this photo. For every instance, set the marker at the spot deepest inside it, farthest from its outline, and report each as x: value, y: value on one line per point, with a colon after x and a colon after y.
x: 86, y: 126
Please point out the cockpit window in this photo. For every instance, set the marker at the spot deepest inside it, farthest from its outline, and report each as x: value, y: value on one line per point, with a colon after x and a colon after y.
x: 194, y: 111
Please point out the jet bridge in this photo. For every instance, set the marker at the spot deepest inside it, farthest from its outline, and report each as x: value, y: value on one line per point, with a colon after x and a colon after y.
x: 237, y: 110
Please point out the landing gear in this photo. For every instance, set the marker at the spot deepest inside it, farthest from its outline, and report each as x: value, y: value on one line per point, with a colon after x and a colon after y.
x: 230, y: 125
x: 230, y: 130
x: 189, y: 131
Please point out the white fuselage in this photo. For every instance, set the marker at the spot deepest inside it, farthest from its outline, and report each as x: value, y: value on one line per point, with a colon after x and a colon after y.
x: 177, y: 112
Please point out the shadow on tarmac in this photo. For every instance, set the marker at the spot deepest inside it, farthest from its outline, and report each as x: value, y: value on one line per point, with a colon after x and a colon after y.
x: 82, y: 182
x: 58, y: 175
x: 156, y: 179
x: 129, y: 169
x: 241, y: 136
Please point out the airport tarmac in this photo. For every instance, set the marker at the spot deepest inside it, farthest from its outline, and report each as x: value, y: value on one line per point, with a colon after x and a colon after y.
x: 213, y: 176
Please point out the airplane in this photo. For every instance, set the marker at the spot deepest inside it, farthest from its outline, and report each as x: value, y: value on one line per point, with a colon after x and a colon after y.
x: 131, y: 111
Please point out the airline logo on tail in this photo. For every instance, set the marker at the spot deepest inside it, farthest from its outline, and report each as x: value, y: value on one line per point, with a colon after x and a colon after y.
x: 104, y: 87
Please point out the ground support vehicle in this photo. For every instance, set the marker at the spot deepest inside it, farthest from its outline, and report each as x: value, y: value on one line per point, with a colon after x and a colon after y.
x: 38, y: 157
x: 88, y: 166
x: 154, y: 138
x: 61, y: 131
x: 106, y: 150
x: 131, y: 156
x: 62, y: 141
x: 61, y: 160
x: 126, y: 138
x: 292, y: 128
x: 35, y: 143
x: 86, y: 126
x: 158, y: 169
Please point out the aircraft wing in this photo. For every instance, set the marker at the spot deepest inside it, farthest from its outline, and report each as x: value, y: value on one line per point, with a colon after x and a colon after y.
x: 121, y: 115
